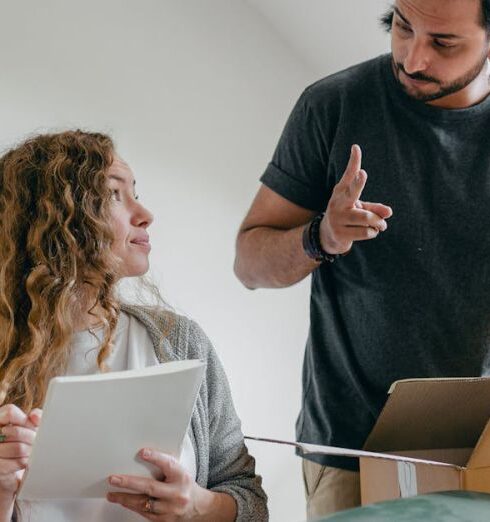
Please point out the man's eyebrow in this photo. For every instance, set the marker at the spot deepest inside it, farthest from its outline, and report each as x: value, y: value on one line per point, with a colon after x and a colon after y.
x: 434, y: 35
x: 397, y: 11
x: 118, y: 178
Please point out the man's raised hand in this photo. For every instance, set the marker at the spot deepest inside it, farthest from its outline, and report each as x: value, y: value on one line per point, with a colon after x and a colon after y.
x: 347, y: 218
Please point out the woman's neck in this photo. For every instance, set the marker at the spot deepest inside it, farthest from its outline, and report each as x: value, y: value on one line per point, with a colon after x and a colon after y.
x: 88, y: 319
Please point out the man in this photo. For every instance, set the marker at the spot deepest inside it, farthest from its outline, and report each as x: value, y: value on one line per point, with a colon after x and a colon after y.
x: 400, y: 263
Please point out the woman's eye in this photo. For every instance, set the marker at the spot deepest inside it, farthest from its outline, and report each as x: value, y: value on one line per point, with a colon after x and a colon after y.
x: 136, y: 197
x: 115, y: 195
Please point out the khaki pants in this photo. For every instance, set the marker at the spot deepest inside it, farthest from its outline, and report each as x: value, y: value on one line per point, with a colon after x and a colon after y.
x: 329, y: 490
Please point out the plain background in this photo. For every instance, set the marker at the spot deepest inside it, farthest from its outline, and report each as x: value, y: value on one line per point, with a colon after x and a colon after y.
x: 195, y: 94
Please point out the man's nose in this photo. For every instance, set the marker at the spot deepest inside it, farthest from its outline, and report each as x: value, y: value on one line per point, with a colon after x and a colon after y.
x: 417, y: 59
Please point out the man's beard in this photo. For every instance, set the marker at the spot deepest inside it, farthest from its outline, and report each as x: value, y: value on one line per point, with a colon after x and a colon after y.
x: 444, y: 90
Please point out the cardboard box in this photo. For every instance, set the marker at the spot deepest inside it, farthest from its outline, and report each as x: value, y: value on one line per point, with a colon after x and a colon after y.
x: 444, y: 423
x: 432, y: 435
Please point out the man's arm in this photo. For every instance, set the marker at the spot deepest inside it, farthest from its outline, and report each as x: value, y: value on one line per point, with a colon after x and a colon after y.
x: 269, y: 249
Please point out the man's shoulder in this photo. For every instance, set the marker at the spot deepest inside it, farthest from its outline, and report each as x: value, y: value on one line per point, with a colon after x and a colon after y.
x: 356, y: 80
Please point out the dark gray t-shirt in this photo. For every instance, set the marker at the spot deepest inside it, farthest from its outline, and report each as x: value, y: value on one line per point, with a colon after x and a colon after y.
x: 414, y: 302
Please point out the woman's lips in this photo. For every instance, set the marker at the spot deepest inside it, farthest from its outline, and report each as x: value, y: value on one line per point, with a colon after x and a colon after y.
x: 142, y: 243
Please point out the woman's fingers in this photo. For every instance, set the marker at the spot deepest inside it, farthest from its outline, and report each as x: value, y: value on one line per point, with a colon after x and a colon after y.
x: 11, y: 414
x: 11, y: 466
x: 146, y: 486
x: 34, y: 418
x: 139, y: 504
x: 168, y: 465
x: 14, y: 450
x: 13, y: 433
x: 17, y: 433
x: 173, y: 496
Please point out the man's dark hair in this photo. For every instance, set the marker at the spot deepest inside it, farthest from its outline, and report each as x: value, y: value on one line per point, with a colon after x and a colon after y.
x: 386, y: 19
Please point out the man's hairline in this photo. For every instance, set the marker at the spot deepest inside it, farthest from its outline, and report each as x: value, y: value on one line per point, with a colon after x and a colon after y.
x: 393, y: 9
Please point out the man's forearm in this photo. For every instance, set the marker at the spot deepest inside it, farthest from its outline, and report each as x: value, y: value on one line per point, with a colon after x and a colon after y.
x: 270, y: 258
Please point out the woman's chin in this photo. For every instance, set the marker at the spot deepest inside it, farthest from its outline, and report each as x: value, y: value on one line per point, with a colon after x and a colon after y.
x: 135, y: 271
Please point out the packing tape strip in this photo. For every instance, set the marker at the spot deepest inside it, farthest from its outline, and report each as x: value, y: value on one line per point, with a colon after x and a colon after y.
x: 407, y: 479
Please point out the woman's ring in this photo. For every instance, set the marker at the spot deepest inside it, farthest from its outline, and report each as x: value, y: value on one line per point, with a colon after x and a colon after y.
x: 149, y: 505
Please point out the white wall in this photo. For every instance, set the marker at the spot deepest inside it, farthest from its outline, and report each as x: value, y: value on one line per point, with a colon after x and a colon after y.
x: 195, y: 94
x: 328, y: 35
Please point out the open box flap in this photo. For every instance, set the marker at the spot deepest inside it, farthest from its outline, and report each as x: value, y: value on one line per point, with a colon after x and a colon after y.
x: 432, y: 413
x: 480, y: 457
x: 315, y: 449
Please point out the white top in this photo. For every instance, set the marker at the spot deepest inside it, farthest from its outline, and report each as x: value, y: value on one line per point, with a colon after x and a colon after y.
x: 133, y: 348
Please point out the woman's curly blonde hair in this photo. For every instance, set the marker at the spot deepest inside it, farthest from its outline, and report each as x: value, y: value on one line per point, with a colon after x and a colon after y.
x: 55, y: 257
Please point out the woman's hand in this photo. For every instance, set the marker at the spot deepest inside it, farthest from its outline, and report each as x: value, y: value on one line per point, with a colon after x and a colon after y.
x: 176, y: 498
x: 17, y: 433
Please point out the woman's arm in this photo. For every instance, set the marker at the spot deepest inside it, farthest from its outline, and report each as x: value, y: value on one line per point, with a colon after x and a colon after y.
x: 231, y: 468
x: 219, y: 507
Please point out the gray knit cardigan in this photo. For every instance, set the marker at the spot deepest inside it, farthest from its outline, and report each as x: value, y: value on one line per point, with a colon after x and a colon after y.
x: 223, y: 461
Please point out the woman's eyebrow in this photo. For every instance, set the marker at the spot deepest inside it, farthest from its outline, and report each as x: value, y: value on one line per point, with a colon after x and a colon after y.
x: 118, y: 178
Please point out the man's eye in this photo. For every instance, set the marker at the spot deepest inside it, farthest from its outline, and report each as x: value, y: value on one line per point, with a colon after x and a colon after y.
x: 403, y: 27
x: 136, y: 197
x: 443, y: 45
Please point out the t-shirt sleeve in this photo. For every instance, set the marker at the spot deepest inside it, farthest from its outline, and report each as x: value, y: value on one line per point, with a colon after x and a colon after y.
x: 298, y: 170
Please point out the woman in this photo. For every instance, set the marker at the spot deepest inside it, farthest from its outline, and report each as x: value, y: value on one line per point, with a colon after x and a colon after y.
x: 71, y: 227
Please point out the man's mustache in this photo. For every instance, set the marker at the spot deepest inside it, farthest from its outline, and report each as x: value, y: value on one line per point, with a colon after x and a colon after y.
x: 416, y: 76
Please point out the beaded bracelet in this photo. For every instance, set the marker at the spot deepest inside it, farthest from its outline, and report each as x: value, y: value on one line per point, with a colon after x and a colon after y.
x: 311, y: 242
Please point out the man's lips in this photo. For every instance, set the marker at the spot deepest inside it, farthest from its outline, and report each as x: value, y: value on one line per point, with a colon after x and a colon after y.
x: 415, y: 81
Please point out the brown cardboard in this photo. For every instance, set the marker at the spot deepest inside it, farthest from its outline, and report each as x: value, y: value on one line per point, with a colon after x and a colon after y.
x: 442, y: 420
x: 379, y: 480
x: 432, y: 435
x: 481, y: 454
x: 432, y: 413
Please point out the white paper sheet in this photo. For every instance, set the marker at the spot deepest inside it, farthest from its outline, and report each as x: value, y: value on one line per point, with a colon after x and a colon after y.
x: 94, y: 426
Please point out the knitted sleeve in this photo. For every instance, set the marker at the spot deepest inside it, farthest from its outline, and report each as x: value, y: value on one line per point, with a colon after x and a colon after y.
x: 231, y: 467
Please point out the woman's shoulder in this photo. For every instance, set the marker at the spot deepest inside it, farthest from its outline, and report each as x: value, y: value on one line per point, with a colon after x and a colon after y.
x: 170, y: 330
